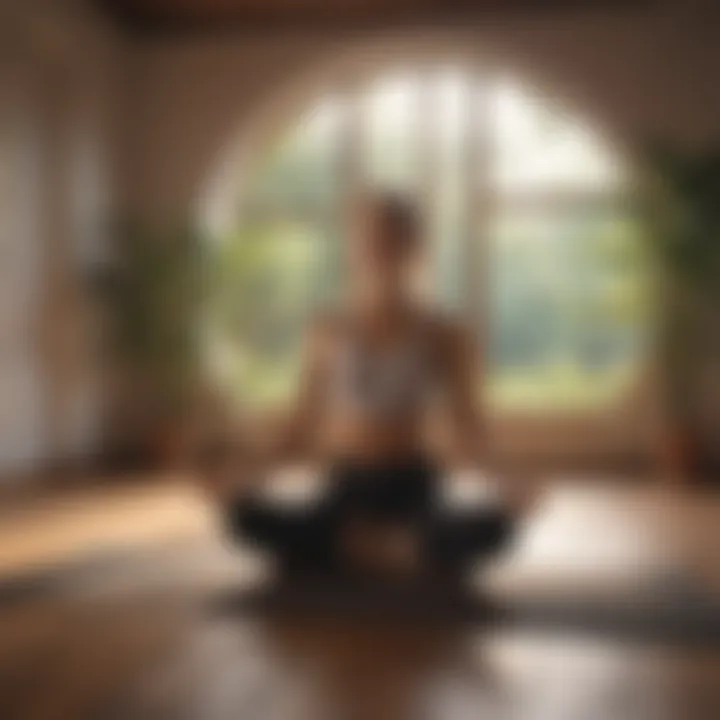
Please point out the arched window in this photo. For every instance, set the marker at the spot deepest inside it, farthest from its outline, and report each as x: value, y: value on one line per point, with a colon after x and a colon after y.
x: 529, y: 236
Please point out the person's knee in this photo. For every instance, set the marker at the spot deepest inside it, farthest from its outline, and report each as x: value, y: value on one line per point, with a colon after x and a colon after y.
x: 498, y: 530
x: 246, y: 521
x: 274, y: 529
x: 484, y: 533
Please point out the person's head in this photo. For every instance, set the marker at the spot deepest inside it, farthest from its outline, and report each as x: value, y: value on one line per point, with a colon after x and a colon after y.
x: 386, y: 246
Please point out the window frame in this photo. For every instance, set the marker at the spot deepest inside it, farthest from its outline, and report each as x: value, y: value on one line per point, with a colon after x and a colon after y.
x: 484, y: 202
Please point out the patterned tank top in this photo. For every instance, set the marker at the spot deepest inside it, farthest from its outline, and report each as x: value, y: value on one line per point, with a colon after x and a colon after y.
x: 385, y: 383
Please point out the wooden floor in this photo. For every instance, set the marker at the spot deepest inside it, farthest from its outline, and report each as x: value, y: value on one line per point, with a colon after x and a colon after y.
x: 138, y: 625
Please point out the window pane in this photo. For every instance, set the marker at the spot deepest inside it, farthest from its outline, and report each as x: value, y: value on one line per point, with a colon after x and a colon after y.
x: 539, y: 147
x: 449, y: 95
x: 392, y: 115
x: 567, y: 307
x: 301, y: 171
x: 269, y: 278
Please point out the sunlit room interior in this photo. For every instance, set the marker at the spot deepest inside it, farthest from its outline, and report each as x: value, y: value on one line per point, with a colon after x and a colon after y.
x: 177, y: 189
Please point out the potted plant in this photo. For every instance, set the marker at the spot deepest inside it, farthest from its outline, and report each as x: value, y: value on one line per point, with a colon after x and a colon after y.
x: 152, y: 295
x: 685, y: 242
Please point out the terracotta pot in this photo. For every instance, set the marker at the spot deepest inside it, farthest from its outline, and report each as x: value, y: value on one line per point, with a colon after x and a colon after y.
x: 681, y: 453
x: 171, y: 447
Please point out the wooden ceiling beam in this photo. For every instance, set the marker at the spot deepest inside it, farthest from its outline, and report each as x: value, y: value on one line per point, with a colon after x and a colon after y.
x: 154, y: 17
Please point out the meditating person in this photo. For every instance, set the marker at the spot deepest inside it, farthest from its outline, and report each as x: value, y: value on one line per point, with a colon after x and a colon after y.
x: 375, y: 371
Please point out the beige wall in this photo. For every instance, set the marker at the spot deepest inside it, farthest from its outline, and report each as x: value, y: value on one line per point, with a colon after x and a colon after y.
x: 59, y: 107
x: 635, y: 76
x: 91, y: 121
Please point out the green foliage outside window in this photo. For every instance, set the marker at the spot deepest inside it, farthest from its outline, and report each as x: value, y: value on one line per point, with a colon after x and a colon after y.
x: 568, y: 278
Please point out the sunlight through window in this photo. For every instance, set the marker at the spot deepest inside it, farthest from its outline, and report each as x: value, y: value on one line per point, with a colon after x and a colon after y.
x: 530, y: 238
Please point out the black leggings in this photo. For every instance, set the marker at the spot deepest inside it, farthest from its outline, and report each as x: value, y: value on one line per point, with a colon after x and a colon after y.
x: 404, y: 492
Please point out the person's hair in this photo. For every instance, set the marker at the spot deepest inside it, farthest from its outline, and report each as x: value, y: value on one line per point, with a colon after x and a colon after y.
x: 400, y: 215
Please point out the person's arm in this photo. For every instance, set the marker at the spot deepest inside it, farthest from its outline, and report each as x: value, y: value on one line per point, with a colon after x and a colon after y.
x: 294, y: 437
x: 248, y: 453
x: 463, y: 374
x: 462, y: 370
